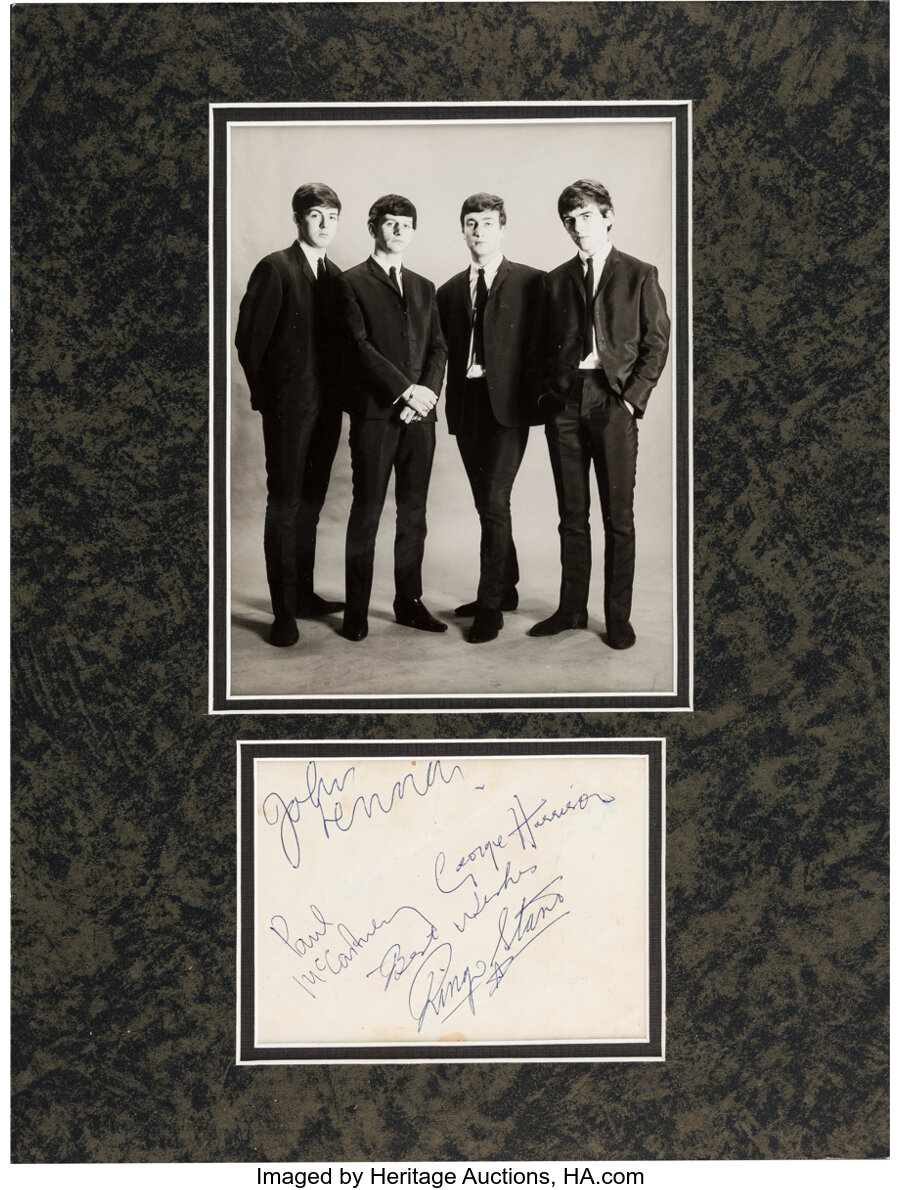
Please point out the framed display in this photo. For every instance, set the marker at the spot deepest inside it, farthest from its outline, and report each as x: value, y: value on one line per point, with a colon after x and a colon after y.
x: 156, y: 152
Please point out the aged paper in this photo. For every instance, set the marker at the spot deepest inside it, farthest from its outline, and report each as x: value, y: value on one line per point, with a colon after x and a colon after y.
x: 460, y: 899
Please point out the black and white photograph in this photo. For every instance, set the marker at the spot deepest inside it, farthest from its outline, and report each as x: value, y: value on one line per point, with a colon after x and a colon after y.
x: 451, y: 407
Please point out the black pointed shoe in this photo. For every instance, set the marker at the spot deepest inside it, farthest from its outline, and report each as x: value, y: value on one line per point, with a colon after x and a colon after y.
x: 508, y: 603
x: 486, y: 626
x: 412, y: 613
x: 313, y: 605
x: 560, y: 621
x: 283, y: 632
x: 354, y: 627
x: 619, y: 634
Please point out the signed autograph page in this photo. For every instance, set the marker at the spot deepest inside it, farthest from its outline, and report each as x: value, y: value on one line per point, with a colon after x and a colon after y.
x: 460, y: 899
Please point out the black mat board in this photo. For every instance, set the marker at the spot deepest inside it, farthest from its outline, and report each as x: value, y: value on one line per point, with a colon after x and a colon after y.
x: 123, y: 801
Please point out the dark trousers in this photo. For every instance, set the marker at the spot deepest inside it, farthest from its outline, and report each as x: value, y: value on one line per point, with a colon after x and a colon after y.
x: 300, y: 448
x: 595, y: 427
x: 377, y: 448
x: 492, y: 455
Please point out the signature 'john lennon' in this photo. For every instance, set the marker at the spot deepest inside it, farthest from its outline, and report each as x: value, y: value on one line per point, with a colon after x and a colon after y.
x: 331, y: 812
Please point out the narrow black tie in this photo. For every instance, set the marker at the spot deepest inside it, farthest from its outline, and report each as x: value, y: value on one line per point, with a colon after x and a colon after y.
x: 320, y: 289
x: 587, y: 338
x: 481, y: 296
x: 395, y: 282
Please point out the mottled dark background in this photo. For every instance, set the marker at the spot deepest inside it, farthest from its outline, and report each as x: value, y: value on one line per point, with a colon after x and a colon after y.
x: 123, y: 800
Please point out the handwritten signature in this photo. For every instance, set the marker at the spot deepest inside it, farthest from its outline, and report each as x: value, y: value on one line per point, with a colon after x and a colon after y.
x: 482, y: 900
x: 348, y: 945
x: 320, y: 794
x: 525, y: 824
x: 440, y: 991
x: 439, y: 981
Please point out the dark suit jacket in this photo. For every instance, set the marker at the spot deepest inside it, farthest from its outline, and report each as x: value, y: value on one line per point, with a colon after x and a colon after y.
x: 389, y: 344
x: 285, y: 336
x: 631, y: 323
x: 512, y: 326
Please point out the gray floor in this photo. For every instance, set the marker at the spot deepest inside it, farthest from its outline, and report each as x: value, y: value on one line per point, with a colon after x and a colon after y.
x: 397, y: 660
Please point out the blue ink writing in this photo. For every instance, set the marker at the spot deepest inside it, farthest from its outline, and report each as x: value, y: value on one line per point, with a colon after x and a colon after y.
x: 436, y: 990
x: 335, y: 958
x: 482, y: 900
x: 482, y: 850
x: 321, y: 796
x: 525, y: 824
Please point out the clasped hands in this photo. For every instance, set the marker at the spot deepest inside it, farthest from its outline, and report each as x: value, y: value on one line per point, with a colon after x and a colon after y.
x: 418, y: 403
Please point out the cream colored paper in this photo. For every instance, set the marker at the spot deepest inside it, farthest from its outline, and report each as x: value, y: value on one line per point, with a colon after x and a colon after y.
x: 459, y: 899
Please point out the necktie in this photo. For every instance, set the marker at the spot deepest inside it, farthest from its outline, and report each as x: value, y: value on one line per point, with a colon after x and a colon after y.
x: 481, y: 296
x: 320, y: 289
x: 587, y: 338
x: 395, y: 282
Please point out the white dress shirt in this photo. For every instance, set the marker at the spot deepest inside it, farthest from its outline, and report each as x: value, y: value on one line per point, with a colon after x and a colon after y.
x: 475, y: 371
x: 313, y: 255
x: 592, y: 362
x: 387, y: 266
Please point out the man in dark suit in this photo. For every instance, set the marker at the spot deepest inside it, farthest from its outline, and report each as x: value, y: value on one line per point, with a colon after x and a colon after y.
x: 607, y: 342
x: 490, y: 314
x: 395, y: 356
x: 285, y: 345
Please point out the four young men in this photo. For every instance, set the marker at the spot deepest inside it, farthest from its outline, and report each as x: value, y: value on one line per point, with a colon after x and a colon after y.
x: 579, y: 349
